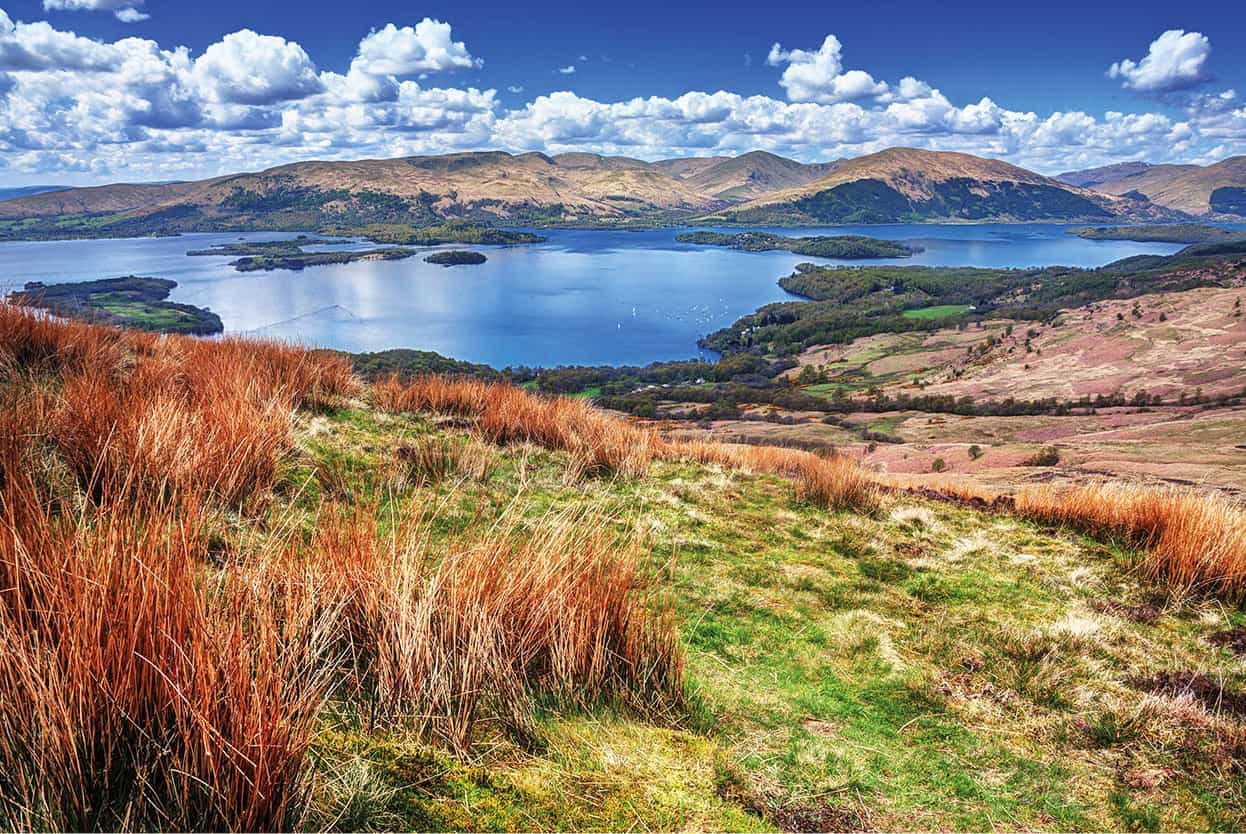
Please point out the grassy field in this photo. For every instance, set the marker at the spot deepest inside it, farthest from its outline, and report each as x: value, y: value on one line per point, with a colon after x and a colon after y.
x: 925, y: 667
x: 940, y: 311
x: 460, y: 606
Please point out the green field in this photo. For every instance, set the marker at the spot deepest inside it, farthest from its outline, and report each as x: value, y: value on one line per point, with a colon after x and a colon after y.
x: 940, y: 311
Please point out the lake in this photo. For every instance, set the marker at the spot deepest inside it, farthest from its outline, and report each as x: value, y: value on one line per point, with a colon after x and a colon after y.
x: 583, y: 297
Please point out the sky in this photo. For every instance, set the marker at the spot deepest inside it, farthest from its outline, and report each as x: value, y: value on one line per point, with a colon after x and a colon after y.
x: 95, y: 91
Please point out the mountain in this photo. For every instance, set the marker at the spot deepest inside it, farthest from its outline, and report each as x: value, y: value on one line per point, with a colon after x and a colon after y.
x: 1218, y: 189
x: 897, y: 185
x: 27, y: 190
x: 488, y: 186
x: 745, y: 177
x: 901, y: 185
x: 1091, y: 177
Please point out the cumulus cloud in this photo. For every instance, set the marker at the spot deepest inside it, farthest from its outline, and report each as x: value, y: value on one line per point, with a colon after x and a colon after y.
x: 37, y: 46
x: 125, y: 10
x: 136, y: 109
x: 248, y: 68
x: 1177, y: 60
x: 567, y: 70
x: 426, y: 47
x: 820, y: 76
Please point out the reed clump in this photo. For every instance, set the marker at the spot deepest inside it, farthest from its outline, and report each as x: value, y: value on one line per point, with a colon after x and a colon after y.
x: 1190, y: 539
x: 836, y: 482
x: 596, y: 443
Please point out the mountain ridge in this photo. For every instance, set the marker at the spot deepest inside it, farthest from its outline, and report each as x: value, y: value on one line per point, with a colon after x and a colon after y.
x: 900, y: 185
x: 583, y: 189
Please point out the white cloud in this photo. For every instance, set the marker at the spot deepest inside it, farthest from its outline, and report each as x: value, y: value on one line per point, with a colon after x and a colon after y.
x: 1177, y: 60
x: 409, y: 51
x: 567, y: 70
x: 133, y: 109
x: 248, y: 68
x: 89, y: 5
x: 819, y: 76
x: 37, y: 46
x: 125, y: 10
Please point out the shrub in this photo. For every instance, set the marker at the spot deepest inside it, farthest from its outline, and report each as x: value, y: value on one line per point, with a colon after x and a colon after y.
x: 1047, y: 456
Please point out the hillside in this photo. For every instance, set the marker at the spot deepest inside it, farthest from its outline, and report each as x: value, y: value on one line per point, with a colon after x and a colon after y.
x: 457, y: 606
x: 1217, y: 189
x: 908, y: 185
x: 483, y: 187
x: 1092, y: 177
x: 748, y: 175
x: 897, y: 185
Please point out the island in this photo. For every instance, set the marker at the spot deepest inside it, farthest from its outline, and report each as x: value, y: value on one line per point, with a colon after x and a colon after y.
x: 1160, y: 233
x: 848, y: 247
x: 399, y: 234
x: 130, y: 301
x: 290, y: 254
x: 455, y: 257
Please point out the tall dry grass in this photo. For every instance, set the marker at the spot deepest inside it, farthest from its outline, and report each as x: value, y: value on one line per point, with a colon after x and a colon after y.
x: 132, y: 696
x: 167, y: 413
x: 441, y: 636
x: 1191, y: 539
x: 837, y: 482
x: 595, y: 442
x: 148, y: 684
x: 598, y: 443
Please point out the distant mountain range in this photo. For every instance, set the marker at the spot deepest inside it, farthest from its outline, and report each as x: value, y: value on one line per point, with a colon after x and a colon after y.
x: 1211, y: 191
x: 893, y: 186
x: 28, y: 190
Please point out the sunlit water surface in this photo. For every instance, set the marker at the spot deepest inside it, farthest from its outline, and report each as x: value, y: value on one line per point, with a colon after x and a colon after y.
x: 583, y: 297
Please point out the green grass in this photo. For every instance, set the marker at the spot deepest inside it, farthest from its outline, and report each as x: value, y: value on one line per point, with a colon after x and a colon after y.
x: 940, y: 311
x: 927, y: 668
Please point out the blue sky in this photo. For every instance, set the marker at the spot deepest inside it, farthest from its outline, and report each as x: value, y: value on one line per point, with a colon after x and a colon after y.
x: 103, y: 90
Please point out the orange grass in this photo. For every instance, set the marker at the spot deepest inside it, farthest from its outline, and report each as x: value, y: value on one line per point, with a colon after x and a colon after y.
x: 836, y: 482
x: 595, y: 442
x: 444, y: 636
x: 170, y: 413
x: 1192, y: 539
x: 131, y: 696
x: 146, y: 685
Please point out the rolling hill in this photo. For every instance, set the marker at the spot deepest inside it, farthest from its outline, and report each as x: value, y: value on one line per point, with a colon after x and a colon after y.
x: 1092, y: 177
x: 901, y: 185
x: 1217, y: 189
x: 745, y: 177
x: 897, y: 185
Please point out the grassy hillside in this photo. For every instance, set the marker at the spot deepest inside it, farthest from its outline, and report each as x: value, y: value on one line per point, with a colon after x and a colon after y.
x: 284, y: 599
x: 908, y: 185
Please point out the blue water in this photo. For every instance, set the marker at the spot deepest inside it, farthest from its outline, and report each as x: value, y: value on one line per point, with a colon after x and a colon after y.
x: 583, y: 297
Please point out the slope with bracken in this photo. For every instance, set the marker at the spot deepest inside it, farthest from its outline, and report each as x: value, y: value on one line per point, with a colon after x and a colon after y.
x: 908, y: 185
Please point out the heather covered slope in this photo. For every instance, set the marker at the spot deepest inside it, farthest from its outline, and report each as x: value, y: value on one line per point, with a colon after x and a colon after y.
x: 455, y: 606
